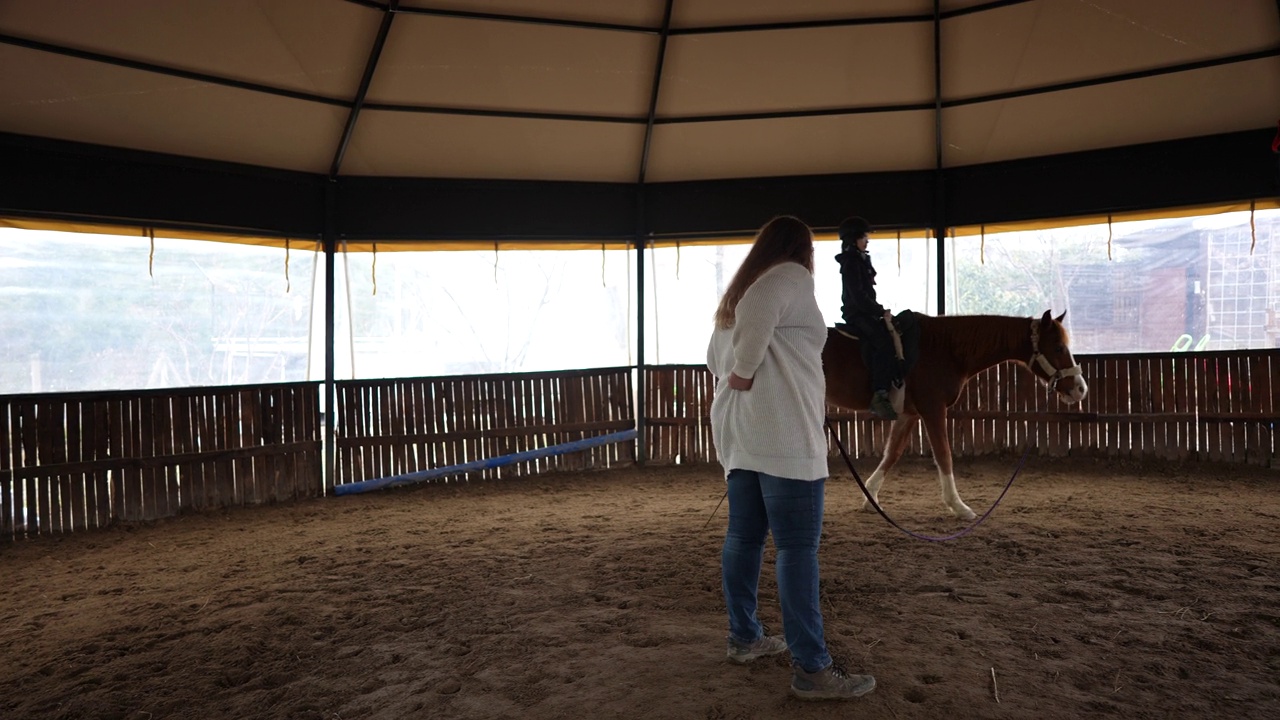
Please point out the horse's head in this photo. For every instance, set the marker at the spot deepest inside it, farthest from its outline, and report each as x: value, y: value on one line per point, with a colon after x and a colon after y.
x: 1051, y: 359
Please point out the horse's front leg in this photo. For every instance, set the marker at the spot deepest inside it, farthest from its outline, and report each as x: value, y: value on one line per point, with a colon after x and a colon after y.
x: 935, y: 424
x: 892, y: 453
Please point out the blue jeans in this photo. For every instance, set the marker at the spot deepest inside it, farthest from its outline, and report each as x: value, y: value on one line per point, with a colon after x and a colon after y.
x: 792, y: 509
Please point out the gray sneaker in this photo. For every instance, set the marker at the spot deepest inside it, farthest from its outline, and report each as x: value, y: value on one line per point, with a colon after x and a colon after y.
x: 830, y: 683
x: 743, y: 653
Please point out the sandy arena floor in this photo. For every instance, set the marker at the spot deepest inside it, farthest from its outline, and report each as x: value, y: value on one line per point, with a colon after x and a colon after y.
x: 1097, y: 588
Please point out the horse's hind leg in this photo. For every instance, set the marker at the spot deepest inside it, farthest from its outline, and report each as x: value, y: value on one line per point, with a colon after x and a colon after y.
x: 935, y: 424
x: 892, y: 453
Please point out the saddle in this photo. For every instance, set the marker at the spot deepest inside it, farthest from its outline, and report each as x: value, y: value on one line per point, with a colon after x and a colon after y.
x: 905, y: 332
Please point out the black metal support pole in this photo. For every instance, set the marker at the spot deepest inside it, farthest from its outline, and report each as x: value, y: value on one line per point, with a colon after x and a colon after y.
x: 642, y: 429
x: 330, y: 389
x: 939, y: 177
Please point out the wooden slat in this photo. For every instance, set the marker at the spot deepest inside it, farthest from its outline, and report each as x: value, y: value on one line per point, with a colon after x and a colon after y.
x: 420, y: 415
x: 504, y: 425
x: 309, y: 483
x: 1162, y: 430
x: 131, y: 478
x: 443, y: 451
x: 1239, y: 394
x: 1212, y: 401
x: 1117, y: 433
x: 1141, y: 405
x: 1003, y: 400
x: 486, y: 415
x: 227, y: 438
x: 627, y: 411
x: 992, y: 429
x: 24, y: 491
x: 1185, y: 403
x: 248, y: 469
x: 1092, y: 432
x: 508, y: 422
x: 345, y: 413
x: 1258, y: 434
x: 469, y: 417
x: 72, y: 490
x: 1268, y: 379
x: 413, y: 415
x: 456, y: 413
x: 384, y: 424
x: 183, y: 442
x: 1013, y: 403
x: 272, y: 402
x: 355, y: 428
x: 49, y: 449
x: 8, y: 508
x: 511, y: 421
x: 283, y: 431
x: 376, y: 409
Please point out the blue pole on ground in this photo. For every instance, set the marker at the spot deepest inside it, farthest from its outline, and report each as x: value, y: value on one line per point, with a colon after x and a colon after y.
x: 493, y: 462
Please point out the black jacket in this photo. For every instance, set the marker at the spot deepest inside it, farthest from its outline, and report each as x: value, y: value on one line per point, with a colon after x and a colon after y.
x: 859, y: 279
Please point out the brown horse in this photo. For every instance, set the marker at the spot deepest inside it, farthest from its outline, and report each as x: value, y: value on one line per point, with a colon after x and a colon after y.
x: 952, y: 350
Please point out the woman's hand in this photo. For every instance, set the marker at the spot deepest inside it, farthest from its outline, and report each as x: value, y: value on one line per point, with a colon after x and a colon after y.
x: 740, y: 383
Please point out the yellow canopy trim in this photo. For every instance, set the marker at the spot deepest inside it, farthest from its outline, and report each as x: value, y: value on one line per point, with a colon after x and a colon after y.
x: 100, y: 228
x: 1164, y: 214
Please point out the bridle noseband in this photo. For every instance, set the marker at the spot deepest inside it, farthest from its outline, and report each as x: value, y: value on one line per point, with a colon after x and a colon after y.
x: 1038, y: 357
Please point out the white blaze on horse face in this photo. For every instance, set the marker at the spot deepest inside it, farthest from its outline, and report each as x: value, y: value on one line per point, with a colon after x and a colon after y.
x: 1077, y: 389
x: 1073, y: 388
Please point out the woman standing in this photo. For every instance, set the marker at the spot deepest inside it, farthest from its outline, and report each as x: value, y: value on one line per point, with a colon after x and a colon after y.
x: 766, y: 420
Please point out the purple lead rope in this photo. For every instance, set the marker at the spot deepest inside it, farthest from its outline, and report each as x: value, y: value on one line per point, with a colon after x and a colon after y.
x: 918, y: 536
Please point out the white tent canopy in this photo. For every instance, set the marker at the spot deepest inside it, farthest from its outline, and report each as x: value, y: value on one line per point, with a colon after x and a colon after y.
x: 634, y: 91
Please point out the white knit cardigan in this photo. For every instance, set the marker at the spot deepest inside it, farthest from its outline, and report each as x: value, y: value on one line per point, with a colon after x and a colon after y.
x: 777, y: 339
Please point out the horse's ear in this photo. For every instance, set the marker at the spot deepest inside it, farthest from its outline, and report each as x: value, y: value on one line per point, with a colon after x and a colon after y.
x: 1059, y: 318
x: 1047, y: 317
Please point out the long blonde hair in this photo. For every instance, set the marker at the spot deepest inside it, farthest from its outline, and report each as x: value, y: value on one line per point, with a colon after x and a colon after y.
x: 782, y: 239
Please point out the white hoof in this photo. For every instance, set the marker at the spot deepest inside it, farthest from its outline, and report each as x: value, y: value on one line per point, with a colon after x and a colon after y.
x: 963, y: 512
x: 867, y: 506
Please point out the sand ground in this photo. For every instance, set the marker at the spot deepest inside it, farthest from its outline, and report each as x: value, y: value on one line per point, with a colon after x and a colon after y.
x: 1096, y: 588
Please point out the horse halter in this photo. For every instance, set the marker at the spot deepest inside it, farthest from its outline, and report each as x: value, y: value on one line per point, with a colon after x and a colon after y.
x: 1038, y: 357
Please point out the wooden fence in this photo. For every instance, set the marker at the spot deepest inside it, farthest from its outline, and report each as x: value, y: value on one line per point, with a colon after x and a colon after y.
x: 1217, y: 406
x: 84, y: 460
x: 394, y: 427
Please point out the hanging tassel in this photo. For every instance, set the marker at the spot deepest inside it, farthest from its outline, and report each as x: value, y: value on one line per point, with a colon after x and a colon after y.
x: 982, y: 247
x: 151, y: 259
x: 677, y: 260
x: 287, y: 285
x: 603, y: 257
x: 495, y: 262
x: 899, y: 252
x: 373, y: 270
x: 1108, y: 238
x: 1253, y: 229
